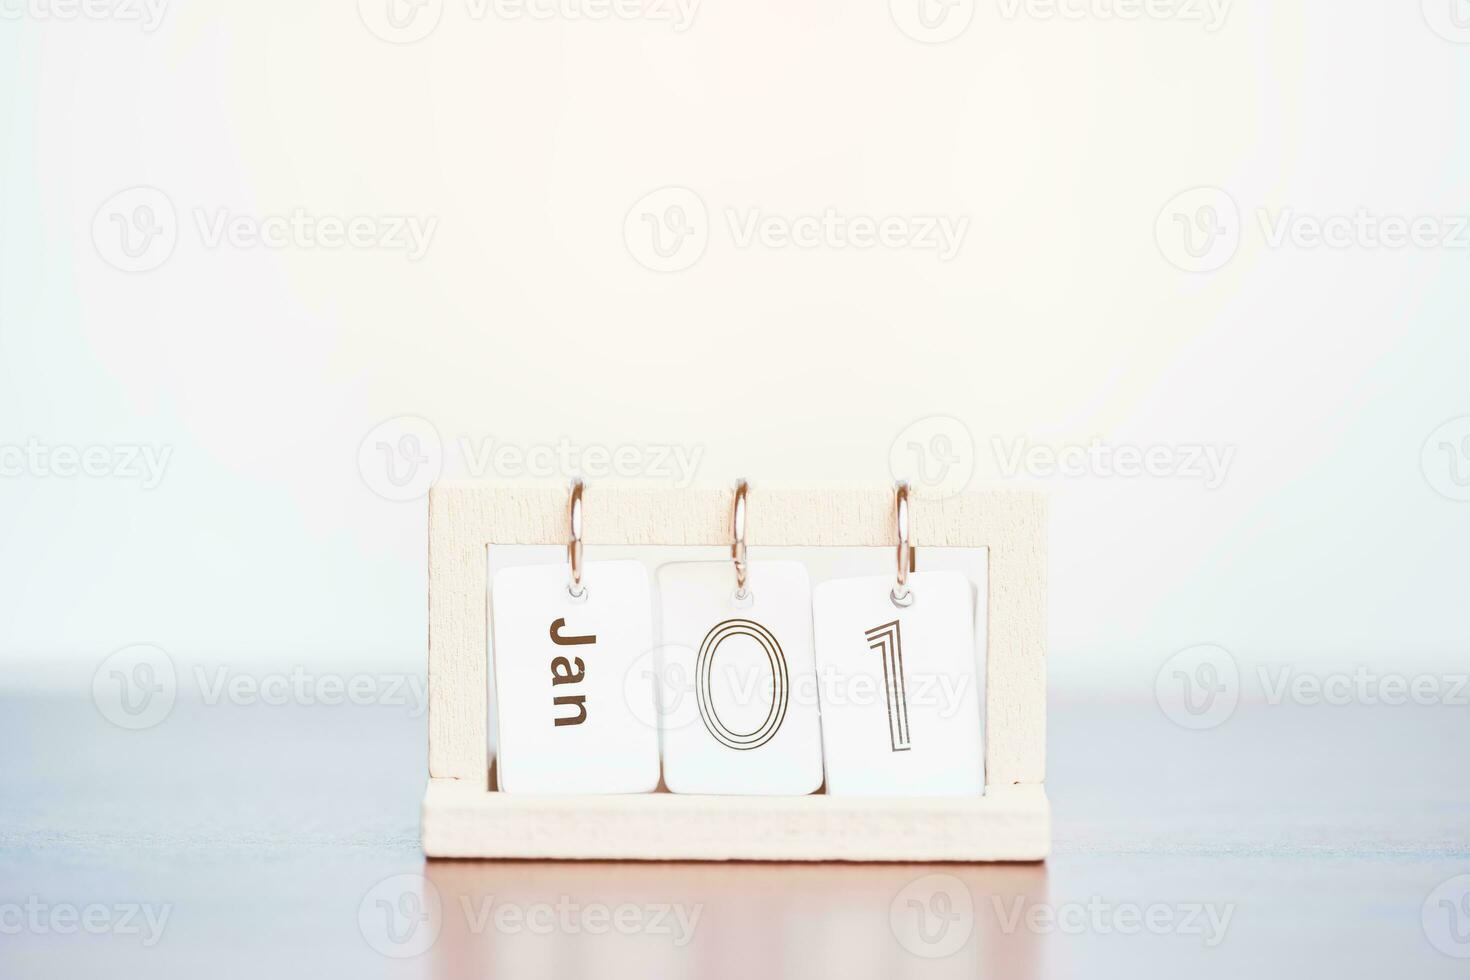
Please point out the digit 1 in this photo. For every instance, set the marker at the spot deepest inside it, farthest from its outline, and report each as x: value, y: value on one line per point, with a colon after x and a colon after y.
x: 888, y: 639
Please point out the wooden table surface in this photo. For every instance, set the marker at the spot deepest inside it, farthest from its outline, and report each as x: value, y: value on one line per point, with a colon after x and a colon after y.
x: 253, y: 841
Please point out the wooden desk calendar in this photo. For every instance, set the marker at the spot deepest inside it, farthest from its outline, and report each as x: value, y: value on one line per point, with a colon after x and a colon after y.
x: 464, y: 817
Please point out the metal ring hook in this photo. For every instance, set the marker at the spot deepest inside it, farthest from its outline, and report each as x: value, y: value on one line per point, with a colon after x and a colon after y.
x: 902, y: 595
x: 574, y: 540
x: 737, y: 549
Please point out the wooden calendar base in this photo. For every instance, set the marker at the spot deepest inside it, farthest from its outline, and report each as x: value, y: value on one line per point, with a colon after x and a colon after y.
x: 462, y: 819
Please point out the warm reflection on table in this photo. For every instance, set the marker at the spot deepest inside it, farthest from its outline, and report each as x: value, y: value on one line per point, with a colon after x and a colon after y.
x: 748, y: 920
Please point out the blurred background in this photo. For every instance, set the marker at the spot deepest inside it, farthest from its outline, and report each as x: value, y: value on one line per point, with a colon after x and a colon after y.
x: 1196, y: 268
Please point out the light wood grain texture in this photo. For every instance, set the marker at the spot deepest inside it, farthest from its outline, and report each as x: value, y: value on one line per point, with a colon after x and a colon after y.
x: 466, y: 519
x: 1011, y: 824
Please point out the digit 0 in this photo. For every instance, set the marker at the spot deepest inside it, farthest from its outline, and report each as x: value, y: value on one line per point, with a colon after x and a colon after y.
x: 780, y: 684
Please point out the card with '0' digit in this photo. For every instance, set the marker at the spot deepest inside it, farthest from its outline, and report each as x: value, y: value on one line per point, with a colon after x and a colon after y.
x: 749, y: 662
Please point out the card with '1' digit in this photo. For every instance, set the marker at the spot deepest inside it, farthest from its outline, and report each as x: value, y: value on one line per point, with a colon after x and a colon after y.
x: 568, y: 722
x: 900, y: 698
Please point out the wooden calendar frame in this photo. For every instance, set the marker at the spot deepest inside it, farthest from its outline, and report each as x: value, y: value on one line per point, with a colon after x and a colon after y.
x: 464, y: 818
